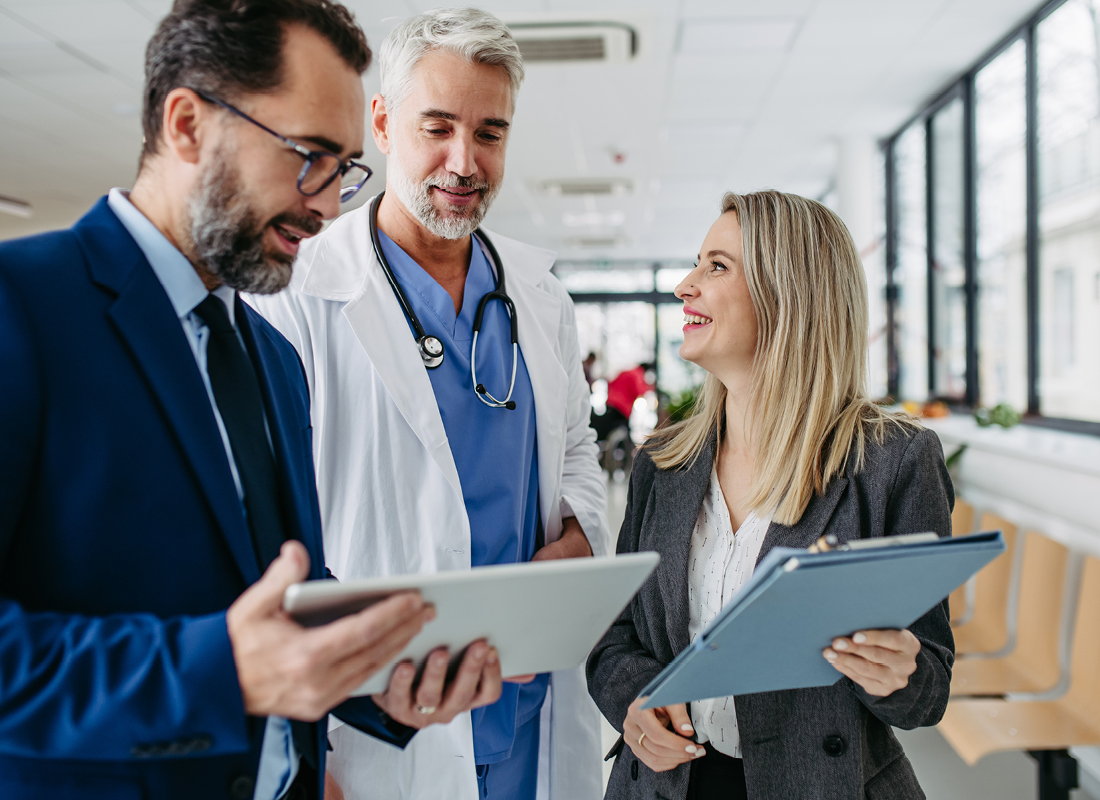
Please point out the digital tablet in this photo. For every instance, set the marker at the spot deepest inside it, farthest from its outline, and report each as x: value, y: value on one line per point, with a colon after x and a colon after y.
x: 542, y: 616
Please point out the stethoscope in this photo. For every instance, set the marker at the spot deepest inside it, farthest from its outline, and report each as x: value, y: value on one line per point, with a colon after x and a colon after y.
x: 431, y: 348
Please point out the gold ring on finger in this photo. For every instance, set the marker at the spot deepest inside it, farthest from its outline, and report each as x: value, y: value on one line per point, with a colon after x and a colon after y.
x: 425, y: 710
x: 640, y: 739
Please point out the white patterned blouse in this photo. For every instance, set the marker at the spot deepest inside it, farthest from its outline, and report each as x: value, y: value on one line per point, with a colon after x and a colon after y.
x: 719, y: 563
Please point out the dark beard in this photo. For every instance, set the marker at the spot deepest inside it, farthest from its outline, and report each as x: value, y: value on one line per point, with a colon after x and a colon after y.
x: 228, y: 238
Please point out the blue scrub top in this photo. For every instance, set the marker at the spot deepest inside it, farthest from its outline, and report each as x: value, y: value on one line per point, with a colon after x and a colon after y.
x: 492, y: 447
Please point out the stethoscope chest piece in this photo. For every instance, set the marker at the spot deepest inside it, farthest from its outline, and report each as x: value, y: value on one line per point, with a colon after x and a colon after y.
x: 431, y: 351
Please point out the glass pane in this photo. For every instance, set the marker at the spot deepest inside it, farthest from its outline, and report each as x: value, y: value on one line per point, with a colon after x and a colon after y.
x: 948, y: 253
x: 1069, y: 211
x: 1001, y: 122
x: 606, y: 280
x: 668, y: 278
x: 911, y: 273
x: 674, y: 374
x: 874, y: 265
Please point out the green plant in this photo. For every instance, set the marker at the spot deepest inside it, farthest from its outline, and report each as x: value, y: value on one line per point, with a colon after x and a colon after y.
x: 1001, y: 414
x: 679, y: 407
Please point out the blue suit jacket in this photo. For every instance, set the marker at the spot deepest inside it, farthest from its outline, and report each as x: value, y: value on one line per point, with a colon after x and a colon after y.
x: 122, y: 539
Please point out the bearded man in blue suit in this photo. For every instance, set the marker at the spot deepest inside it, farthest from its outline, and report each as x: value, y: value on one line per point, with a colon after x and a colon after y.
x: 156, y: 477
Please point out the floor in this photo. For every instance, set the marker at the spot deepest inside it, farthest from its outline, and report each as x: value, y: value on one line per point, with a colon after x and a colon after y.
x: 942, y: 774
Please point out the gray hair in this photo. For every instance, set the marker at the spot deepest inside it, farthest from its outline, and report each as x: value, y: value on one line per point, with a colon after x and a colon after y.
x: 469, y: 33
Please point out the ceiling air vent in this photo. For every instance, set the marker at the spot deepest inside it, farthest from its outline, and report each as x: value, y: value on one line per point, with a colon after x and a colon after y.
x: 613, y: 42
x: 573, y: 187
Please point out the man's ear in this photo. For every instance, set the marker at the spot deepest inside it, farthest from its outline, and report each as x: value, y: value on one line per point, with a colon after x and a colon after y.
x: 186, y: 119
x: 379, y: 124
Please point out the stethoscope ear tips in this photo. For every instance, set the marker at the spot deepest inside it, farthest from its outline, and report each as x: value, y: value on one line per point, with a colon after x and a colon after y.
x: 480, y: 388
x: 510, y: 405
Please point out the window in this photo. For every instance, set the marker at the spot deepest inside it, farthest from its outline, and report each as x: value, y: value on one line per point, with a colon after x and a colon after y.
x: 1069, y: 210
x: 947, y: 257
x: 1001, y: 176
x: 911, y: 273
x: 996, y: 187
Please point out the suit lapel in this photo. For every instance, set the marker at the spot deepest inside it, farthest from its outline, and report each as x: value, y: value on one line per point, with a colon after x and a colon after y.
x: 813, y: 523
x: 677, y: 499
x: 147, y: 324
x: 289, y: 436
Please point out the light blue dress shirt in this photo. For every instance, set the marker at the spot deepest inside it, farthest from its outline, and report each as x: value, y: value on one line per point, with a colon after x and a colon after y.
x: 495, y: 451
x: 185, y: 290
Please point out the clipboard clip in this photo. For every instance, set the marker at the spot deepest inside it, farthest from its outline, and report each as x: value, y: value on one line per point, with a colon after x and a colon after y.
x: 828, y: 542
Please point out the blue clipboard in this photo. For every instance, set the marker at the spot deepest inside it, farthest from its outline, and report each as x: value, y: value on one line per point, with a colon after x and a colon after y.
x: 771, y: 634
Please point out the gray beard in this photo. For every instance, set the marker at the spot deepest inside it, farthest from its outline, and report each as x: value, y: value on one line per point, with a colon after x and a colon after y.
x: 227, y: 237
x: 416, y: 197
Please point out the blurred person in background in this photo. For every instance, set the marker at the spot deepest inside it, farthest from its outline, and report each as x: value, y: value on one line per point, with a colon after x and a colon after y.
x: 420, y: 469
x: 783, y: 446
x: 622, y: 393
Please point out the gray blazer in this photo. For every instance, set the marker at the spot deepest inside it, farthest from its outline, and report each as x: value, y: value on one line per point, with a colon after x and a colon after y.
x: 819, y: 744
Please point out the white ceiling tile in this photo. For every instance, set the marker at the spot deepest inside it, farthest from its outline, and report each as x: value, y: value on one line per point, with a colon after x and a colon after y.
x: 706, y: 36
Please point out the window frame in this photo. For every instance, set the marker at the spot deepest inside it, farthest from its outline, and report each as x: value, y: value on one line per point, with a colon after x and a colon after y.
x: 963, y: 87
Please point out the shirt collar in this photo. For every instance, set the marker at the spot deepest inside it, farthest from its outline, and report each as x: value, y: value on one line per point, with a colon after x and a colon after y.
x: 181, y: 283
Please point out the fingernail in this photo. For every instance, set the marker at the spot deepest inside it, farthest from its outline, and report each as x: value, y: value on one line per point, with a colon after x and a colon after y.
x: 439, y: 661
x: 493, y: 656
x: 830, y: 655
x: 686, y: 727
x: 691, y: 749
x: 859, y: 638
x: 700, y: 752
x: 840, y: 644
x: 429, y: 613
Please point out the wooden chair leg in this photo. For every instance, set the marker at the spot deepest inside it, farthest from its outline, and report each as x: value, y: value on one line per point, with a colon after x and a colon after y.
x: 1057, y: 773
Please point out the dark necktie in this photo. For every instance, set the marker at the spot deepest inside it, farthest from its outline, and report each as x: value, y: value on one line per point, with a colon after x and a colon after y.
x: 237, y: 393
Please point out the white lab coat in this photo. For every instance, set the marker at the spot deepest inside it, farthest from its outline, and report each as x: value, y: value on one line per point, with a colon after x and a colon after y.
x: 389, y: 490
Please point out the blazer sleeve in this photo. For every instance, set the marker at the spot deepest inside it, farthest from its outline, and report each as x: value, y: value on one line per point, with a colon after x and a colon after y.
x: 920, y: 500
x: 583, y: 488
x: 80, y: 687
x: 620, y: 666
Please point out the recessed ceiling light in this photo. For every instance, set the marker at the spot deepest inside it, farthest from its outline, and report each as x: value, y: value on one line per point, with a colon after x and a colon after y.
x: 594, y: 219
x: 582, y: 186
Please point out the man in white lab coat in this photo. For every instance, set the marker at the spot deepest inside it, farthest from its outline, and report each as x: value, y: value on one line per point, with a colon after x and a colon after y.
x: 417, y: 471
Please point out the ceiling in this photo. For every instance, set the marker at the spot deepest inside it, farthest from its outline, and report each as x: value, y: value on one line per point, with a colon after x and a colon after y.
x: 722, y: 95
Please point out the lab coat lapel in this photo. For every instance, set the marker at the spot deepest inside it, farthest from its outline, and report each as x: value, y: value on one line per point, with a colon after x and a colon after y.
x: 380, y: 327
x: 147, y: 323
x: 539, y: 313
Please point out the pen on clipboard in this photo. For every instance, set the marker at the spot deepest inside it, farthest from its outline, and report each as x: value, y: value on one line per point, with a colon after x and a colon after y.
x: 829, y: 542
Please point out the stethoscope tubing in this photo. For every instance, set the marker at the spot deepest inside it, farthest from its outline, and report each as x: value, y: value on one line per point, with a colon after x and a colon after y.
x: 431, y: 348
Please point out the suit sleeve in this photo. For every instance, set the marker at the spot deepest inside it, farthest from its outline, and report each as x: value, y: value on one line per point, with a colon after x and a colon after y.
x: 620, y: 666
x: 361, y: 713
x: 921, y: 500
x: 95, y: 688
x: 583, y: 489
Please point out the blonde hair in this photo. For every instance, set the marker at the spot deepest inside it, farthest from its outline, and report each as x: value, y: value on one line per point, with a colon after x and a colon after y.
x: 808, y: 400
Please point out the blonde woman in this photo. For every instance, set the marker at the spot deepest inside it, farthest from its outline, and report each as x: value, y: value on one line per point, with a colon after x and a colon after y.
x: 783, y: 447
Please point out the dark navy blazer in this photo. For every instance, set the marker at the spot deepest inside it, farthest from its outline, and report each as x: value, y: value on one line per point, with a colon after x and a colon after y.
x: 122, y: 538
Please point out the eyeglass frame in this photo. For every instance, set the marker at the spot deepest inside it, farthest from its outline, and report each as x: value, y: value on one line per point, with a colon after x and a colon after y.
x: 310, y: 156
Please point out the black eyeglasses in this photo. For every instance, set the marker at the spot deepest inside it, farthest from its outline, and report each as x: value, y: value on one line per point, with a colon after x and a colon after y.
x: 321, y: 167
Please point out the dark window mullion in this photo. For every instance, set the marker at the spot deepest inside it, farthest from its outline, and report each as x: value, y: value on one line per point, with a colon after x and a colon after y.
x: 892, y: 375
x: 1032, y: 168
x: 930, y: 248
x: 970, y: 237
